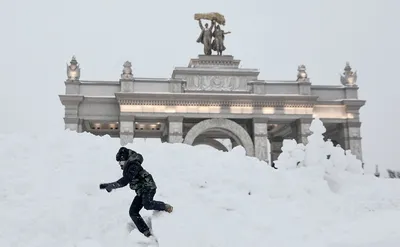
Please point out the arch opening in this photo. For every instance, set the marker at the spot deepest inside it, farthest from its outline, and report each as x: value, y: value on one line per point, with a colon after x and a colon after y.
x: 226, y: 126
x: 210, y: 142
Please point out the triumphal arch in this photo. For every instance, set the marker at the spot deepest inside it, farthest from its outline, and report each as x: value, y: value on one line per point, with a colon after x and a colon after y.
x: 214, y: 98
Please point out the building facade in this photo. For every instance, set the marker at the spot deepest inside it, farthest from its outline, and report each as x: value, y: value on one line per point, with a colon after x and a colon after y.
x: 214, y: 98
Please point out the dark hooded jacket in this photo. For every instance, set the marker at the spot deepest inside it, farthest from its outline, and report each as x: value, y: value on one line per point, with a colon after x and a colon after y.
x: 134, y: 174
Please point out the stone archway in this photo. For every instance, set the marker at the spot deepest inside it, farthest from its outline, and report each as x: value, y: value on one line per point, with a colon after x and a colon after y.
x: 232, y: 129
x: 210, y: 142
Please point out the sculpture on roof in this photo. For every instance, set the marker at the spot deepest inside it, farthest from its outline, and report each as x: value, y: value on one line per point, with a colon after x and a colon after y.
x: 349, y: 78
x: 127, y: 71
x: 301, y: 73
x: 73, y: 70
x: 214, y: 31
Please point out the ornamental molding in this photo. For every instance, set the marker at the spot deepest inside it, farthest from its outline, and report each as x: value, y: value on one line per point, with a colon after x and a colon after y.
x: 216, y: 103
x: 211, y: 71
x: 236, y: 100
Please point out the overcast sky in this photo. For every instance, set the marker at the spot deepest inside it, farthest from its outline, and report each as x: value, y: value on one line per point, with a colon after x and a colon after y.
x: 40, y: 36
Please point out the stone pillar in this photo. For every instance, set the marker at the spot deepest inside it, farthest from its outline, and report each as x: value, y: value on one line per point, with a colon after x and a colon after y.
x: 276, y: 147
x: 350, y: 133
x: 175, y: 129
x: 260, y: 136
x: 126, y: 129
x: 71, y: 118
x: 303, y: 130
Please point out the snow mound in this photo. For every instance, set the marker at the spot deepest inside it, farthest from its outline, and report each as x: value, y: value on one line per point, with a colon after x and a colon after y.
x: 318, y: 153
x: 50, y: 196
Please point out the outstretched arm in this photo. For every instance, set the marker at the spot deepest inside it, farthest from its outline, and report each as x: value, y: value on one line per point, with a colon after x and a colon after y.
x: 227, y: 32
x: 212, y: 25
x: 201, y: 25
x: 131, y: 173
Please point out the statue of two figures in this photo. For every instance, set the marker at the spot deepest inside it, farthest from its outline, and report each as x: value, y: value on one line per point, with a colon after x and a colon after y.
x: 209, y: 32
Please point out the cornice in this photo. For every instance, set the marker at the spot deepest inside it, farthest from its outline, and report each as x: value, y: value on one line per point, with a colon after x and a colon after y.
x: 113, y: 83
x: 72, y: 82
x: 213, y: 71
x: 192, y: 99
x: 356, y: 103
x: 71, y: 99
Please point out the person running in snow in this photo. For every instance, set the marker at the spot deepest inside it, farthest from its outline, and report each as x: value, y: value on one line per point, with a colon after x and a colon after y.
x: 142, y: 182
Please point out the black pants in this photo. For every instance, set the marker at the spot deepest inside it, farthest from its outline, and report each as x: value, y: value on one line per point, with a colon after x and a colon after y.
x: 145, y: 199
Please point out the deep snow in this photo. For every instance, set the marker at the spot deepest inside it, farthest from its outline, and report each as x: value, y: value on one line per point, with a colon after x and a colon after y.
x: 50, y: 196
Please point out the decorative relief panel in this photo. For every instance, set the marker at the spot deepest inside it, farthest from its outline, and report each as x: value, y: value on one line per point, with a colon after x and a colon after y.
x: 175, y: 131
x: 261, y: 147
x: 354, y: 132
x: 260, y: 129
x: 126, y: 86
x: 176, y: 87
x: 355, y: 147
x: 126, y: 127
x: 175, y: 128
x: 125, y: 139
x: 305, y: 129
x: 216, y: 83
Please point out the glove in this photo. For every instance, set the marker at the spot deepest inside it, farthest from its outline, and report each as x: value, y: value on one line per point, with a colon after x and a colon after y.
x: 103, y: 186
x: 110, y: 187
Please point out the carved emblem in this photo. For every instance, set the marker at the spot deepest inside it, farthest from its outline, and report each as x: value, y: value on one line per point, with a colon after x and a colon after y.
x: 214, y: 83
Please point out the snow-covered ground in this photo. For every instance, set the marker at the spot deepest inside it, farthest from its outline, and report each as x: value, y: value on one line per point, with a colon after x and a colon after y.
x: 49, y: 196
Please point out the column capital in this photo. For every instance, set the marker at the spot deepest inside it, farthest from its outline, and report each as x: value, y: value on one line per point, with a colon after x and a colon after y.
x: 353, y: 124
x: 260, y: 120
x: 175, y: 118
x: 126, y: 118
x: 305, y: 120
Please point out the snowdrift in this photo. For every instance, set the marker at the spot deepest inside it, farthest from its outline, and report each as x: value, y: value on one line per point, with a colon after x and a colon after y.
x: 50, y: 197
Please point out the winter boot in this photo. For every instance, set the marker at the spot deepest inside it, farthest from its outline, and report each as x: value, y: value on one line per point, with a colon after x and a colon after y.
x: 168, y: 208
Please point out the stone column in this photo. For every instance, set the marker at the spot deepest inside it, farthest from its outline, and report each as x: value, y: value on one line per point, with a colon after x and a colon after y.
x: 260, y: 136
x: 126, y: 129
x: 175, y: 129
x: 303, y: 130
x: 276, y: 147
x: 350, y: 133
